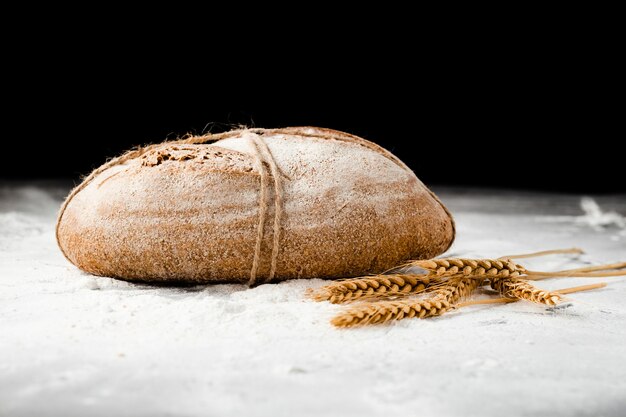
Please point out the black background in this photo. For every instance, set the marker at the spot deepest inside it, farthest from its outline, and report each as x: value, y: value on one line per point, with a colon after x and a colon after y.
x: 532, y: 99
x: 533, y: 133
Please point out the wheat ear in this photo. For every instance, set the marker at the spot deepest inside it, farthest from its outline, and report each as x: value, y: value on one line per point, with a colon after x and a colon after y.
x: 512, y: 300
x: 492, y: 268
x: 380, y: 312
x: 374, y: 287
x: 524, y: 290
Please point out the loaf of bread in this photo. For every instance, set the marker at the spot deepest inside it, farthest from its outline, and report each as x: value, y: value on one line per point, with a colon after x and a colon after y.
x: 252, y: 206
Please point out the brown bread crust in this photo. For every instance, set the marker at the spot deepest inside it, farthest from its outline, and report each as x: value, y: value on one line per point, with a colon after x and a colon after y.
x: 189, y: 211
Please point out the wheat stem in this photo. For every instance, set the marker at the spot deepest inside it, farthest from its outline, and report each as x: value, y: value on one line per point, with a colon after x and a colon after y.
x: 604, y: 267
x: 572, y: 274
x: 544, y: 253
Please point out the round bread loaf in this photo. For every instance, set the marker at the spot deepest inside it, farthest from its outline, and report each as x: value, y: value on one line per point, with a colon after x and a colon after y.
x: 252, y: 206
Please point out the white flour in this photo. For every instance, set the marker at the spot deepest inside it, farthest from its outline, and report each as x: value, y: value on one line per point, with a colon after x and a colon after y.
x: 77, y: 345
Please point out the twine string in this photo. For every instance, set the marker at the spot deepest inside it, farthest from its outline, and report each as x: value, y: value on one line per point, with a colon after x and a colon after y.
x: 264, y: 152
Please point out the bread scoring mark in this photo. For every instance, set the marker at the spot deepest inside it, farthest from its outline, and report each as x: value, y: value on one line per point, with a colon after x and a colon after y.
x: 209, y: 155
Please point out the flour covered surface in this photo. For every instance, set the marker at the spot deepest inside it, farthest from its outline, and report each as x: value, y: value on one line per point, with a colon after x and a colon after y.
x: 252, y: 206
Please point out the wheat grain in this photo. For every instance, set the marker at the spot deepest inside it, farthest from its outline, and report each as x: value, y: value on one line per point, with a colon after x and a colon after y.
x: 524, y: 290
x: 457, y: 289
x: 513, y: 300
x: 492, y: 268
x: 384, y: 311
x: 375, y: 286
x: 443, y: 300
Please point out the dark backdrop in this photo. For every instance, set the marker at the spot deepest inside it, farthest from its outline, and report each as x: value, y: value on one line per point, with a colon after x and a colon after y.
x: 513, y: 135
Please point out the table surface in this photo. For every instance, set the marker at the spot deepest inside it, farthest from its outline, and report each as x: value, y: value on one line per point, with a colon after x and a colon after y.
x: 75, y: 345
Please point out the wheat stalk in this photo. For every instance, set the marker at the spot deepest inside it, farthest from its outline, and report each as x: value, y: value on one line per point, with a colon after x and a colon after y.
x: 513, y: 300
x: 492, y: 268
x: 379, y: 286
x: 374, y: 287
x: 575, y: 251
x: 384, y: 311
x: 449, y: 281
x: 524, y: 290
x: 380, y: 312
x: 456, y: 289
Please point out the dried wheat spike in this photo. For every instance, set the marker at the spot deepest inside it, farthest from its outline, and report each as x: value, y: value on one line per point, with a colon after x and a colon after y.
x: 524, y: 290
x: 374, y: 287
x: 457, y: 289
x: 492, y: 268
x: 384, y: 311
x: 443, y: 300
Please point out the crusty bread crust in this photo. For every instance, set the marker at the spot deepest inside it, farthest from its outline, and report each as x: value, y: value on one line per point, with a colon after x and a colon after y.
x: 188, y: 211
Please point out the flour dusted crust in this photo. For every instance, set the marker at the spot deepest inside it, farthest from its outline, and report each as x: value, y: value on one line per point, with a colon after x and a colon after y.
x: 190, y: 212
